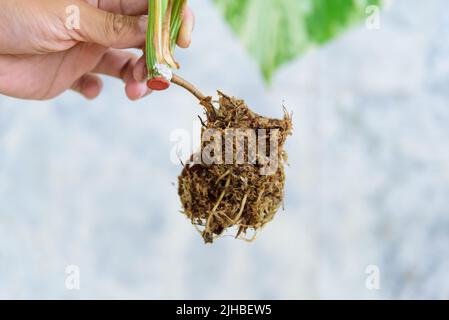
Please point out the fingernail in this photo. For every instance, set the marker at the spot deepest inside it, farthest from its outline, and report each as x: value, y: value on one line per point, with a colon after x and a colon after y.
x: 143, y: 90
x: 189, y: 17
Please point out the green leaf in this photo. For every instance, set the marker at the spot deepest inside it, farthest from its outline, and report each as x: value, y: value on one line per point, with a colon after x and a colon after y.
x: 278, y: 31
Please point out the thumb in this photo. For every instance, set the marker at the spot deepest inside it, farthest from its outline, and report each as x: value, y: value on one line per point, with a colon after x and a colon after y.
x: 110, y: 29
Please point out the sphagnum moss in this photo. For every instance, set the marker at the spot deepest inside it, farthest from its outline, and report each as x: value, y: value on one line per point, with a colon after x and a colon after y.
x: 216, y: 197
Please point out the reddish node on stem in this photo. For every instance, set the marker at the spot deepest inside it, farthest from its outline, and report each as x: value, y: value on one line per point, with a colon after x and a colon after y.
x: 158, y: 84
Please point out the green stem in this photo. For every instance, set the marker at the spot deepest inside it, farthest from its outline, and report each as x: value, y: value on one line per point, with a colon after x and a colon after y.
x: 176, y: 22
x: 162, y: 34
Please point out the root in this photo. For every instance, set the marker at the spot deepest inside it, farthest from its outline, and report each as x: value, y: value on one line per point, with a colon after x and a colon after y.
x: 213, y: 213
x: 219, y: 197
x: 248, y: 239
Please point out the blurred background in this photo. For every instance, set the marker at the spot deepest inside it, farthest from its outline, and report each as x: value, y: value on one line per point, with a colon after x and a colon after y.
x: 91, y: 184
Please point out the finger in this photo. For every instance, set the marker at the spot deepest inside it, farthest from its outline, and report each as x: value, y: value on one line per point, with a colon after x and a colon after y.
x: 188, y: 24
x: 111, y: 29
x: 136, y: 90
x: 117, y: 63
x: 140, y: 71
x: 89, y: 85
x: 121, y: 65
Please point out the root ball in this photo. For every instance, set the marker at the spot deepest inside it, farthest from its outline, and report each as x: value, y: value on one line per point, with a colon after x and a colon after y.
x: 237, y: 179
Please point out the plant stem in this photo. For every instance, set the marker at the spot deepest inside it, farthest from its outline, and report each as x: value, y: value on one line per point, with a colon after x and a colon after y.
x: 166, y: 49
x: 188, y: 86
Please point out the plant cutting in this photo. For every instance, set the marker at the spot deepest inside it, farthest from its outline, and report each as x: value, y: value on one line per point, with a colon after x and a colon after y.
x: 218, y: 196
x: 164, y: 24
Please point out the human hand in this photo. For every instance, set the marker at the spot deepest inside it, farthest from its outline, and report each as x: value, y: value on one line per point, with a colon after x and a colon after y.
x: 40, y: 57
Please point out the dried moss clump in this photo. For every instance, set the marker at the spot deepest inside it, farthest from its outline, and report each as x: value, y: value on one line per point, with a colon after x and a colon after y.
x: 220, y: 195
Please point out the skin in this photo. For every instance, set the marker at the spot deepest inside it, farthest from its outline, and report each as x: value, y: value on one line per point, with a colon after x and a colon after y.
x: 40, y: 57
